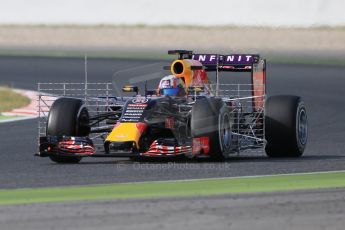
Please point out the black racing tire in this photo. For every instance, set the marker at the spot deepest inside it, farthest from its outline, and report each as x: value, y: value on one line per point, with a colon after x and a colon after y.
x: 65, y: 160
x: 67, y: 117
x: 210, y: 118
x: 286, y: 126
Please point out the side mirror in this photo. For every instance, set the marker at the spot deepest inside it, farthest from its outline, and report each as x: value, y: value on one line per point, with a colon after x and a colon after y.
x: 196, y: 89
x: 130, y: 88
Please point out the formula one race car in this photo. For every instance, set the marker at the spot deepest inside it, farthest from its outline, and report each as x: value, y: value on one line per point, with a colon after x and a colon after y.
x: 186, y: 115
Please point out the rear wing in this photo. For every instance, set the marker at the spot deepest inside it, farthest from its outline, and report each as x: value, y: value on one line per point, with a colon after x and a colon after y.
x: 252, y: 63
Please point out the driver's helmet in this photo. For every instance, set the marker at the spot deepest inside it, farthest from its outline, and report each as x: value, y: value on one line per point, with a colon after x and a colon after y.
x: 172, y: 86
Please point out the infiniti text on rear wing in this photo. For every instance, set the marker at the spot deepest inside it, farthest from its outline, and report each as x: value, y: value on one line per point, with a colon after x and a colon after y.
x: 232, y: 62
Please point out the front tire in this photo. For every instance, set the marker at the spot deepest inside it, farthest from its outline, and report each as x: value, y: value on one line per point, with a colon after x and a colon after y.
x: 67, y: 117
x: 211, y: 118
x: 286, y: 126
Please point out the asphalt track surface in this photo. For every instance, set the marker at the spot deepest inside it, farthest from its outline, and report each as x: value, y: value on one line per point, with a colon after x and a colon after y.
x: 307, y: 210
x: 322, y: 88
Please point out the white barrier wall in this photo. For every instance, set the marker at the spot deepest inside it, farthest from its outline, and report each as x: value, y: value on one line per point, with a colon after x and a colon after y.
x: 300, y: 13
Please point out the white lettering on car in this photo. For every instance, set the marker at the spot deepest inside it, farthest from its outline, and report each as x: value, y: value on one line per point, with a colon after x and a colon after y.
x: 202, y: 58
x: 230, y: 58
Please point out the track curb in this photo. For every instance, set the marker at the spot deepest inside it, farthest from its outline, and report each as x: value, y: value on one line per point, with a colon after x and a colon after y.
x: 25, y: 112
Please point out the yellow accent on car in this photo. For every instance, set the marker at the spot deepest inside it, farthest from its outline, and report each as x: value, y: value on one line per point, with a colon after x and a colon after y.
x: 183, y: 69
x: 125, y: 132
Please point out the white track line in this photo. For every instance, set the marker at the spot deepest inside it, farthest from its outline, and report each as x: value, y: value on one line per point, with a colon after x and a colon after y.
x: 237, y: 177
x: 183, y: 180
x: 201, y: 179
x: 16, y: 119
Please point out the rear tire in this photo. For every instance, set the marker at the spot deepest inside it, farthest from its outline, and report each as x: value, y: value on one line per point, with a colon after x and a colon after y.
x: 286, y: 127
x: 211, y: 118
x: 67, y: 117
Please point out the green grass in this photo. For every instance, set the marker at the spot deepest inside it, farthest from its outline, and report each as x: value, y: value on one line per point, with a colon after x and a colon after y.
x: 204, y: 187
x: 3, y: 117
x: 10, y: 100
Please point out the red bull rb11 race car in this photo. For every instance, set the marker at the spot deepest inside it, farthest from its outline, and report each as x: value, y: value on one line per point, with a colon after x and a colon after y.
x: 186, y: 115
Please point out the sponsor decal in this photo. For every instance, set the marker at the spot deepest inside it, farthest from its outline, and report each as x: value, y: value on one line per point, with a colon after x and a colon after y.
x: 134, y: 111
x: 234, y: 59
x: 137, y: 105
x: 140, y: 100
x: 139, y: 109
x: 130, y: 114
x: 129, y: 119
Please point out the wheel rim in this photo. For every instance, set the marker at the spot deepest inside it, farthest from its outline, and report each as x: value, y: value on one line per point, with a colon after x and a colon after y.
x: 225, y: 133
x: 302, y: 127
x: 83, y: 122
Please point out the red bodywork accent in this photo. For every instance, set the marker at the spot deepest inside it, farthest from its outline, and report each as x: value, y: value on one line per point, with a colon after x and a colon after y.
x: 159, y: 150
x: 73, y: 147
x: 201, y: 144
x: 116, y: 124
x: 259, y: 84
x: 200, y: 78
x: 141, y: 127
x: 169, y: 122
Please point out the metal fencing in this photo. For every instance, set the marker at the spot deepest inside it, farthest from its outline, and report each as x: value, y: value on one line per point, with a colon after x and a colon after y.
x: 96, y: 96
x: 249, y: 123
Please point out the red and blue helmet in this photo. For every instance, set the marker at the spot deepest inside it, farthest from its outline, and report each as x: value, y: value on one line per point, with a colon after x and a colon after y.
x: 172, y: 86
